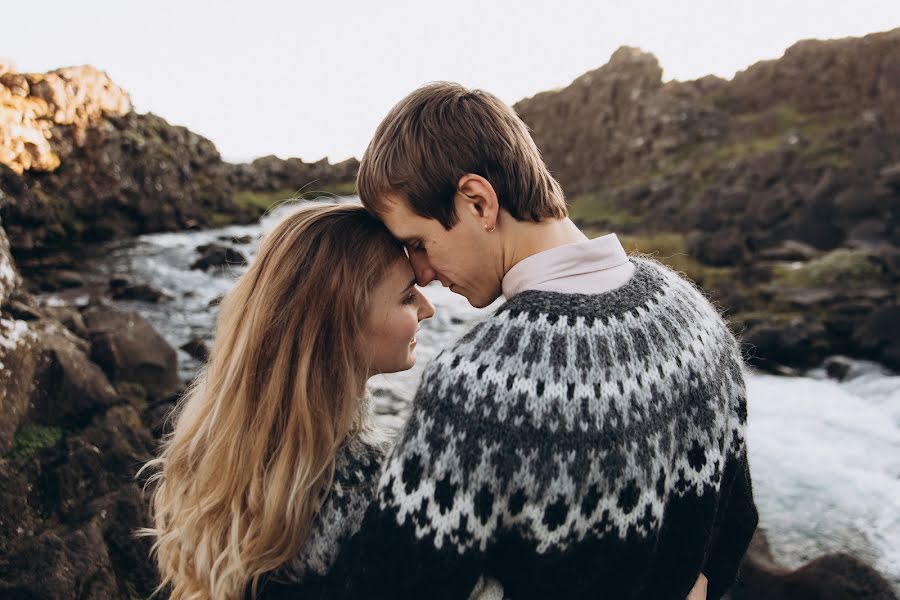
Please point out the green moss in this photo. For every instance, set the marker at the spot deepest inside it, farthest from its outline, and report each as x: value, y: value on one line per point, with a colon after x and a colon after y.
x: 133, y: 136
x: 670, y: 249
x: 740, y: 321
x: 343, y: 188
x: 842, y: 267
x: 220, y: 219
x: 30, y: 438
x: 590, y: 209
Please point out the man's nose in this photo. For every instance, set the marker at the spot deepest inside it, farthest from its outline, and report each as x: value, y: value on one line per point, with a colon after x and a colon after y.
x: 421, y: 267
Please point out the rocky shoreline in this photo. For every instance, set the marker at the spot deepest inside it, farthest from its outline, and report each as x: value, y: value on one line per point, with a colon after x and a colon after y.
x: 84, y: 389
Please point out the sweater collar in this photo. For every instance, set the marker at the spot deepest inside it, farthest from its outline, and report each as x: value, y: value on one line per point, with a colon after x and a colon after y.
x: 569, y: 260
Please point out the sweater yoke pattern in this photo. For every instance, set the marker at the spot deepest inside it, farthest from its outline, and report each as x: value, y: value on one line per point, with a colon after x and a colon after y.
x: 567, y: 417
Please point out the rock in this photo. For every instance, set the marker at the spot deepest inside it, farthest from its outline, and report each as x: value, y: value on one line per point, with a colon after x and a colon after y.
x: 790, y: 250
x: 20, y: 310
x: 273, y: 174
x: 836, y: 576
x: 69, y: 388
x: 877, y: 335
x: 56, y: 563
x: 242, y: 239
x: 139, y: 291
x: 796, y: 343
x: 19, y: 361
x: 70, y: 317
x: 214, y: 255
x: 197, y: 348
x: 726, y: 247
x: 811, y: 297
x: 127, y: 347
x: 838, y: 367
x: 9, y: 276
x: 776, y: 154
x: 67, y: 279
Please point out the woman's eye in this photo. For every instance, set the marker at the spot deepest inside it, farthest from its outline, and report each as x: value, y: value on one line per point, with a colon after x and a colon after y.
x: 410, y: 298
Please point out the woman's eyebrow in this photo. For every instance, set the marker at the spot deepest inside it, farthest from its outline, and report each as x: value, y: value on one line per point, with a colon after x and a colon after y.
x: 409, y: 285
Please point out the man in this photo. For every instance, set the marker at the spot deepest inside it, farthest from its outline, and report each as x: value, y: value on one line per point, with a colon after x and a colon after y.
x: 585, y: 441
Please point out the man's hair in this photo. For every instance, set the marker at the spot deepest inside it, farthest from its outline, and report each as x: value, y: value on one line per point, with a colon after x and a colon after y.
x: 439, y: 133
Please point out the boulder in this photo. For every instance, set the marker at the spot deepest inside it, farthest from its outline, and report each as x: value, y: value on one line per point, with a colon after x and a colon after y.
x: 130, y: 351
x: 215, y: 255
x: 838, y: 576
x: 877, y: 335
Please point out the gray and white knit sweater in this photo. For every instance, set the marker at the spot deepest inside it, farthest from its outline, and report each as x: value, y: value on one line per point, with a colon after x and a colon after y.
x: 572, y: 445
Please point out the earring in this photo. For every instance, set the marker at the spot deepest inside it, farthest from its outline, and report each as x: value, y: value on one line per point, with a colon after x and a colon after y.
x: 491, y: 230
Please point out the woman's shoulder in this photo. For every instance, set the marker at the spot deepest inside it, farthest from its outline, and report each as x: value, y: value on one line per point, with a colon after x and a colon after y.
x: 358, y: 464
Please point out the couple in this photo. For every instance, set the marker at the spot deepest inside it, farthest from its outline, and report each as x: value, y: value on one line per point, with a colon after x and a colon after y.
x: 587, y: 440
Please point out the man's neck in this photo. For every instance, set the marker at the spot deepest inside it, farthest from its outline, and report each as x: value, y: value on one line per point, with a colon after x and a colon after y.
x: 526, y: 239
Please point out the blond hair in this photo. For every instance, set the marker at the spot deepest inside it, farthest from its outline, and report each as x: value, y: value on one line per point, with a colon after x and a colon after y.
x: 251, y: 456
x: 439, y: 133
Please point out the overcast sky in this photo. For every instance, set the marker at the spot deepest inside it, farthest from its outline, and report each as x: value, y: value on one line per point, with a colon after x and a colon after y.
x: 313, y: 79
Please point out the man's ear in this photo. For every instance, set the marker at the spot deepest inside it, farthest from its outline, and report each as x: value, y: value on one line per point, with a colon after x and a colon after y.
x: 479, y: 199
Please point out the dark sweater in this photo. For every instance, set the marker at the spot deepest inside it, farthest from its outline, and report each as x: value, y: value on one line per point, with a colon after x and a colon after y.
x: 571, y: 446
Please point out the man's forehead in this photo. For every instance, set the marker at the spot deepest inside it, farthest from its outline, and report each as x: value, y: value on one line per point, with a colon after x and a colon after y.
x: 399, y: 219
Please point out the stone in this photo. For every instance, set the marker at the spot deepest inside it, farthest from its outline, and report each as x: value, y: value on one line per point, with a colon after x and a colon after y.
x: 129, y: 350
x: 214, y: 255
x: 877, y: 335
x: 197, y: 348
x: 838, y: 367
x: 790, y: 250
x: 837, y: 576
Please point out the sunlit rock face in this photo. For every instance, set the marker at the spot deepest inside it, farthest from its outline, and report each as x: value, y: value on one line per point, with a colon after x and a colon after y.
x: 32, y: 105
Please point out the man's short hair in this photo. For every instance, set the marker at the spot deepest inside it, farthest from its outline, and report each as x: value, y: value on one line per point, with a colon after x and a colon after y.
x: 439, y: 133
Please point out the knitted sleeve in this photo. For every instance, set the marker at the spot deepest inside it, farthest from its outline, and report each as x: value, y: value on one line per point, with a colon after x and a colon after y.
x: 736, y: 517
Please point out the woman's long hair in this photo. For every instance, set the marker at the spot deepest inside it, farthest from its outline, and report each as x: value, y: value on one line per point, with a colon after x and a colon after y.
x: 251, y: 456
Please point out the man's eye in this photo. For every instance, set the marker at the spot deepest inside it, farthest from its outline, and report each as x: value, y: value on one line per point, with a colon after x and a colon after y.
x: 416, y: 245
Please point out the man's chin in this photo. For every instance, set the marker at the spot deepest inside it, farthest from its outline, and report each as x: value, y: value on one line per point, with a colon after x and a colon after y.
x: 479, y: 302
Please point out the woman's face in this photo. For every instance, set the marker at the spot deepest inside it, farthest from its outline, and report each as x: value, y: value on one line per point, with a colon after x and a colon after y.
x: 397, y: 308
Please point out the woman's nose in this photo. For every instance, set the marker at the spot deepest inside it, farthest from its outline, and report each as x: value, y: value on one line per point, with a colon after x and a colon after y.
x: 426, y: 310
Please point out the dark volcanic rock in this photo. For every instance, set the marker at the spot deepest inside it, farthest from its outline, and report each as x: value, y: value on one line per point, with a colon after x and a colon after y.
x: 801, y: 148
x: 197, y: 348
x: 214, y: 255
x: 836, y: 576
x: 131, y: 351
x: 878, y: 335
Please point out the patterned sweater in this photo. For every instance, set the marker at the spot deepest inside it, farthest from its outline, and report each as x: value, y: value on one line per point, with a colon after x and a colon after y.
x: 357, y: 467
x: 570, y: 446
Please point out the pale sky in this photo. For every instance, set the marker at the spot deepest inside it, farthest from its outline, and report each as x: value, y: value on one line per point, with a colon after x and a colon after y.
x: 313, y: 79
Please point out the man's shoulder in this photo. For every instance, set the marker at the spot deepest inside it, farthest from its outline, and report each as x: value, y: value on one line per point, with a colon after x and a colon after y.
x: 658, y: 316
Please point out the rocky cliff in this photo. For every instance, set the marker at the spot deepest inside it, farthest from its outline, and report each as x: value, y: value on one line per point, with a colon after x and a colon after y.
x: 78, y: 165
x: 778, y: 191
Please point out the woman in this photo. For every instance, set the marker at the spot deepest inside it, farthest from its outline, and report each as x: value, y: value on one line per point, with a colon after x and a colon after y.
x: 273, y: 456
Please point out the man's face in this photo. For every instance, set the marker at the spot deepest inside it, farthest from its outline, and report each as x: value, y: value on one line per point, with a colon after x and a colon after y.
x: 463, y: 258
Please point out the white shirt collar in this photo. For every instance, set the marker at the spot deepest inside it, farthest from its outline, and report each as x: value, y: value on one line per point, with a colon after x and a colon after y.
x: 593, y: 266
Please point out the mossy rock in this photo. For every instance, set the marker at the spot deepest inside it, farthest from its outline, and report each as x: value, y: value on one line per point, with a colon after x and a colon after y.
x: 670, y: 248
x: 590, y: 209
x: 30, y: 438
x: 842, y: 267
